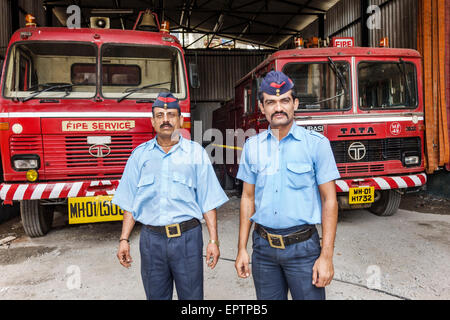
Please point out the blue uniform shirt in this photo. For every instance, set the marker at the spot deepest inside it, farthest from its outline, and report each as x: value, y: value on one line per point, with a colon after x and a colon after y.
x: 161, y: 189
x: 286, y: 175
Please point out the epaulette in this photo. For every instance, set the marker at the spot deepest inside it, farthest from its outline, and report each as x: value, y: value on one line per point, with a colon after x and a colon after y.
x: 315, y: 133
x: 140, y: 146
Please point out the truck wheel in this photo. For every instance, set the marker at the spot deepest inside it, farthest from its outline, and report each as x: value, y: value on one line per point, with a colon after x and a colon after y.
x: 388, y: 203
x: 229, y: 182
x: 36, y: 219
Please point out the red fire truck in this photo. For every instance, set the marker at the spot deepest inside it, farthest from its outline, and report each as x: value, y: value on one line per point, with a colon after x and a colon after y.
x: 74, y: 104
x: 366, y: 101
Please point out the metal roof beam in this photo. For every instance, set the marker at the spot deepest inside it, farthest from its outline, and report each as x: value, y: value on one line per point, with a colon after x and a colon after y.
x: 253, y: 18
x: 261, y: 23
x: 306, y: 6
x: 219, y: 23
x: 303, y: 6
x: 285, y: 13
x: 246, y: 4
x: 203, y: 21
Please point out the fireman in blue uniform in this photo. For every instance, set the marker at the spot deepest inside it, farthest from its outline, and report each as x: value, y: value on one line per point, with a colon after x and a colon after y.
x: 169, y: 185
x: 288, y: 174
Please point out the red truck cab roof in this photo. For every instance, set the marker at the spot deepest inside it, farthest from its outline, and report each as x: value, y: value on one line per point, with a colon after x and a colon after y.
x: 335, y: 52
x: 95, y: 35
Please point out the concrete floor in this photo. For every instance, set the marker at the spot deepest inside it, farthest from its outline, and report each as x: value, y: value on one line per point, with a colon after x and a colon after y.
x: 406, y: 256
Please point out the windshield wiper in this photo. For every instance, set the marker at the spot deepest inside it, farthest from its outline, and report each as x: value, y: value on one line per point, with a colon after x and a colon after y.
x: 331, y: 98
x: 130, y: 91
x: 50, y: 87
x: 339, y: 74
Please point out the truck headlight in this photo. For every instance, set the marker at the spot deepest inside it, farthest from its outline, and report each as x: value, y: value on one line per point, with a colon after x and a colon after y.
x: 25, y: 162
x: 410, y: 159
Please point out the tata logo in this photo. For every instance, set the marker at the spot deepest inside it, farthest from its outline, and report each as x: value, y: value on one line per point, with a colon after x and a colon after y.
x: 99, y: 150
x: 357, y: 151
x: 358, y: 131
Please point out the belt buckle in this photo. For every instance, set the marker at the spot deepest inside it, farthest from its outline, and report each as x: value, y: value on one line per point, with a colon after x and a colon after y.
x: 170, y: 235
x: 276, y: 241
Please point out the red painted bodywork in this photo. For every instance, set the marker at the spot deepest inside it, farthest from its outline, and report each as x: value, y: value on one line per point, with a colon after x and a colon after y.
x: 231, y: 115
x: 53, y: 168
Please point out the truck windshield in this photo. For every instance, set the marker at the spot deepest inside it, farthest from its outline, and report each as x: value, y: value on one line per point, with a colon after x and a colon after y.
x: 37, y: 70
x: 321, y: 86
x: 387, y: 85
x: 141, y: 72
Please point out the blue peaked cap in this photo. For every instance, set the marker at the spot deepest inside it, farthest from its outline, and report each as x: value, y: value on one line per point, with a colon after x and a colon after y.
x: 276, y: 83
x: 166, y: 100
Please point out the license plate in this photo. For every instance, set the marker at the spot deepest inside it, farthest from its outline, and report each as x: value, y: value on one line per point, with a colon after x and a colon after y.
x: 361, y: 195
x: 93, y: 209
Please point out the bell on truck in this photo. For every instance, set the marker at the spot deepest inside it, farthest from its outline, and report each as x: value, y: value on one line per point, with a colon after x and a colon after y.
x: 148, y: 22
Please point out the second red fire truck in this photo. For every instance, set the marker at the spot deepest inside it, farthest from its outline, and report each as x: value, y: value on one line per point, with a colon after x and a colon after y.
x: 366, y: 101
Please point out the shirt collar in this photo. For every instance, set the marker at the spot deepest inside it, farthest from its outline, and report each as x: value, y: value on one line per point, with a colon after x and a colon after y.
x: 295, y: 132
x: 182, y: 143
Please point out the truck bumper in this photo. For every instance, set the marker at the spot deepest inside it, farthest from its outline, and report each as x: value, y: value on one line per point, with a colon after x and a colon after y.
x: 62, y: 190
x: 383, y: 182
x: 56, y: 190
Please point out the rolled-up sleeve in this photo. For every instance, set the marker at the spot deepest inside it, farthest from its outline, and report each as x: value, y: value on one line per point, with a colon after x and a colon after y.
x: 324, y: 162
x: 209, y: 193
x: 126, y: 191
x: 245, y: 173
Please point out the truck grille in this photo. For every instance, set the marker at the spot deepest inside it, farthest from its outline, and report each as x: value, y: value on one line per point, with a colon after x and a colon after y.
x: 350, y: 169
x: 376, y: 150
x: 69, y: 155
x: 25, y: 144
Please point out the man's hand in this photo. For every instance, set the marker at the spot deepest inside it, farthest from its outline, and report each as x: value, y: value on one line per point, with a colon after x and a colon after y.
x: 212, y: 255
x: 323, y: 272
x: 124, y: 254
x: 242, y: 264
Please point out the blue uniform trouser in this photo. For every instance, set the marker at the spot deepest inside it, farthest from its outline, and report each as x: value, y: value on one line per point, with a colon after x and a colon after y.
x: 275, y: 271
x: 168, y: 260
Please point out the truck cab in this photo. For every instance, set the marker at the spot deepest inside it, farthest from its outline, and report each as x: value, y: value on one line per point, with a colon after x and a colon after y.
x: 74, y: 105
x: 366, y: 101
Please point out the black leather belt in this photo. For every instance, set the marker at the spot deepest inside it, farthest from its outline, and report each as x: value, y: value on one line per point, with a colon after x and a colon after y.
x: 280, y: 242
x: 175, y: 230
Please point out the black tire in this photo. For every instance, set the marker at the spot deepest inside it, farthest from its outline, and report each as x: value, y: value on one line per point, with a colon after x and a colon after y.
x: 229, y: 182
x: 36, y: 219
x: 388, y: 203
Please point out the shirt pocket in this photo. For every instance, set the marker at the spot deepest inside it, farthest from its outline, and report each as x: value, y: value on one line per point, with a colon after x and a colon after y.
x: 299, y: 175
x: 183, y: 187
x: 261, y: 171
x: 146, y: 186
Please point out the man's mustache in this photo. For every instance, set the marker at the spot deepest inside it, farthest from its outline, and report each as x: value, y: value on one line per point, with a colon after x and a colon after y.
x: 166, y: 125
x: 281, y: 112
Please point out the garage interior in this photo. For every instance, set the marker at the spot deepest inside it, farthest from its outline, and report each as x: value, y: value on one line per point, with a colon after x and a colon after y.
x: 227, y: 39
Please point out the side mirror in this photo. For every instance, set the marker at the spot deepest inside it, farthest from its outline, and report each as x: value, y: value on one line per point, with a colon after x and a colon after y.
x: 193, y: 76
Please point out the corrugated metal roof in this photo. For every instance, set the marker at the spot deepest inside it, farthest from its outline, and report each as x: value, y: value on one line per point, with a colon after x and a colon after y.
x: 267, y: 23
